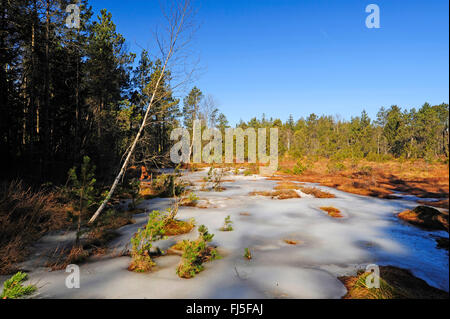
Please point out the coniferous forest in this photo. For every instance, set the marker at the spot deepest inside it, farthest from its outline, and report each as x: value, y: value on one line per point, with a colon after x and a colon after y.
x: 67, y: 93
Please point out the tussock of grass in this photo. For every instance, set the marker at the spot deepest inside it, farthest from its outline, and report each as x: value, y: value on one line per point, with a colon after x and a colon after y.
x: 287, y: 185
x: 179, y: 246
x: 395, y: 283
x: 177, y: 227
x: 278, y: 194
x: 291, y: 242
x: 141, y: 263
x: 316, y: 192
x: 426, y: 217
x: 359, y: 290
x: 332, y: 211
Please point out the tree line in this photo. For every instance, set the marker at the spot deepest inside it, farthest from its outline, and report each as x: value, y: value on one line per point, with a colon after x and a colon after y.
x: 394, y: 133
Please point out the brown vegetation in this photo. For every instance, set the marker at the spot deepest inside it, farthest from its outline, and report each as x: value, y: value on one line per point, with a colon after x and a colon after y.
x: 177, y: 249
x: 141, y: 263
x: 332, y: 211
x: 378, y: 179
x: 426, y: 217
x: 291, y: 242
x: 317, y: 193
x: 278, y: 194
x: 75, y: 255
x: 25, y: 216
x: 147, y: 191
x: 177, y: 227
x: 395, y: 283
x: 287, y: 185
x: 440, y: 204
x: 94, y: 242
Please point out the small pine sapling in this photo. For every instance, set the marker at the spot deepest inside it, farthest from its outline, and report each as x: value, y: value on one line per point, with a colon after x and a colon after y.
x: 142, y: 242
x: 228, y: 224
x: 13, y: 288
x: 195, y: 253
x: 83, y: 189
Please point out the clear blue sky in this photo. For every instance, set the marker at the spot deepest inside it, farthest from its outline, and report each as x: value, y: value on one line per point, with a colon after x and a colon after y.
x: 282, y: 57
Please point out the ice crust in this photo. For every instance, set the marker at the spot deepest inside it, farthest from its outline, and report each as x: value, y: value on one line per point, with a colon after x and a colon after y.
x: 369, y: 233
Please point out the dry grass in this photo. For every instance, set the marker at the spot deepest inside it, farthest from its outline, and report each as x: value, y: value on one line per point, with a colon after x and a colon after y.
x: 291, y: 242
x: 377, y: 179
x: 177, y: 249
x: 187, y: 202
x: 141, y: 263
x: 317, y: 193
x: 440, y: 204
x: 177, y: 227
x: 93, y: 242
x: 332, y: 211
x: 147, y: 192
x: 395, y: 283
x: 25, y: 216
x: 287, y: 185
x: 426, y: 217
x: 278, y: 194
x: 76, y: 255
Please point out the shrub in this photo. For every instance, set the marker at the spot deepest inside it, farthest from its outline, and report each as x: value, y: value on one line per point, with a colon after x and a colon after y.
x: 13, y: 288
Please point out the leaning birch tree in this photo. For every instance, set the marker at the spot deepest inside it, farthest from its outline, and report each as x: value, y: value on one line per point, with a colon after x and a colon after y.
x: 174, y: 40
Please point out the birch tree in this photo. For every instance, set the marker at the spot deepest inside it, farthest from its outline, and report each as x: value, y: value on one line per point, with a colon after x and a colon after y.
x: 171, y: 42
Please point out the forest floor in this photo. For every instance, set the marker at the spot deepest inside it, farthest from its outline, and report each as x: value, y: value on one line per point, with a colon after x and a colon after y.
x: 302, y: 245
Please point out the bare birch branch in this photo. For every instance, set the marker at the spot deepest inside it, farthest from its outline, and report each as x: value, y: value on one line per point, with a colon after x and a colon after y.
x: 178, y: 18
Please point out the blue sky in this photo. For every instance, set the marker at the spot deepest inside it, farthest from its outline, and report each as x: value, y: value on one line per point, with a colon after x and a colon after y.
x: 282, y: 57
